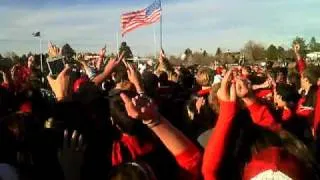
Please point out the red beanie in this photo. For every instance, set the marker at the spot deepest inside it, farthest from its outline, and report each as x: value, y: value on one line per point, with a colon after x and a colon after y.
x: 26, y: 107
x: 263, y: 93
x: 79, y: 82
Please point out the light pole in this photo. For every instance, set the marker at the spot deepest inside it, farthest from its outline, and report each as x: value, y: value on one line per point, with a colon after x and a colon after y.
x: 38, y: 35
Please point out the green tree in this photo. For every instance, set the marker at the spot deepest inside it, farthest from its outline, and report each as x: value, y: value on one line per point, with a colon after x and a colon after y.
x: 1, y: 56
x: 314, y: 45
x: 272, y: 52
x: 218, y: 52
x: 281, y: 53
x: 67, y: 51
x: 302, y: 43
x: 126, y: 49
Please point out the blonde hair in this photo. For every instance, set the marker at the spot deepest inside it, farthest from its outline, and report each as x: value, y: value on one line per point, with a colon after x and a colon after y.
x: 213, y: 98
x: 203, y: 77
x: 173, y: 76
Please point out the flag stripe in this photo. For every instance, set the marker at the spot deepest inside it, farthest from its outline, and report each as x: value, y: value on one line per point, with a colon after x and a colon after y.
x: 133, y: 20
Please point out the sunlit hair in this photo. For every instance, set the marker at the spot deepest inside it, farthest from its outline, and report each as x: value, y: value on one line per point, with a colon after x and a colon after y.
x: 174, y: 77
x: 213, y: 98
x: 204, y: 77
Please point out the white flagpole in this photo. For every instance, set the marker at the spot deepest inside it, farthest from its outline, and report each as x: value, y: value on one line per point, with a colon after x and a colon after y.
x: 117, y: 39
x: 155, y: 41
x: 41, y: 63
x: 161, y: 25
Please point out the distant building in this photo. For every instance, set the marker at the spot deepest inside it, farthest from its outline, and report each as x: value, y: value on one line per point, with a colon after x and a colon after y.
x: 314, y: 56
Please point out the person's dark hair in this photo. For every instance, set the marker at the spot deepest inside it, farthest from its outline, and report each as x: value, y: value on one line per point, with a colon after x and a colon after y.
x: 133, y: 171
x: 312, y: 74
x: 163, y: 78
x: 120, y: 73
x: 288, y: 93
x: 248, y: 139
x: 6, y: 102
x: 311, y: 98
x: 186, y: 79
x: 150, y: 83
x: 294, y: 79
x: 120, y: 118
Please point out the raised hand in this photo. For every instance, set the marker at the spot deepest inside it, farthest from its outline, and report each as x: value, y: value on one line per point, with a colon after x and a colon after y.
x: 61, y: 85
x: 113, y: 62
x: 162, y: 56
x: 71, y: 155
x: 134, y: 78
x: 103, y: 51
x: 53, y: 50
x: 243, y: 88
x: 227, y: 91
x: 140, y: 107
x: 296, y: 48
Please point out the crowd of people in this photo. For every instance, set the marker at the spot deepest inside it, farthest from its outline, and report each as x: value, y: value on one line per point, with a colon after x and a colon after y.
x: 105, y: 119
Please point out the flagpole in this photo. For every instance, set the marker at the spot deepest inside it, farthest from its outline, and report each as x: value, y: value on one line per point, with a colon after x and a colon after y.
x: 155, y: 41
x: 41, y: 63
x: 117, y: 39
x: 161, y: 26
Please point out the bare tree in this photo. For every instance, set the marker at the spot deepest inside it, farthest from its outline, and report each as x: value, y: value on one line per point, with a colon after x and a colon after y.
x: 253, y: 51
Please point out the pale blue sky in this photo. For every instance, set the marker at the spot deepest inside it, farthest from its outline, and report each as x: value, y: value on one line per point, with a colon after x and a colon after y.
x: 89, y: 24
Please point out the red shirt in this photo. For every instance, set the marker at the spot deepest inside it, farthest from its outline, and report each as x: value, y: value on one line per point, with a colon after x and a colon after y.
x: 189, y: 162
x: 301, y: 65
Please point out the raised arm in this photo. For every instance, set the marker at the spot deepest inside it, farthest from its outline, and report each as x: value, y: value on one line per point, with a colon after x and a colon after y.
x: 5, y: 77
x: 216, y: 146
x: 113, y: 62
x: 164, y: 64
x: 300, y: 62
x: 187, y: 155
x: 259, y: 113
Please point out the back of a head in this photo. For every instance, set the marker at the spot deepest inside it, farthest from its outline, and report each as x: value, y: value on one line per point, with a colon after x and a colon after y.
x: 294, y: 79
x: 132, y: 171
x: 288, y: 93
x: 150, y: 82
x: 274, y: 154
x: 120, y: 117
x: 204, y: 77
x: 163, y: 78
x: 312, y: 73
x: 120, y: 74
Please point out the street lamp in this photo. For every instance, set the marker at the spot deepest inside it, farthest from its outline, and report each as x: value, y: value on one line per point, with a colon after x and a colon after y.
x: 38, y: 35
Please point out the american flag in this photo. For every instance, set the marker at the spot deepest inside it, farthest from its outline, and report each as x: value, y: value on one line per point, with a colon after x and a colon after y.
x: 135, y: 19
